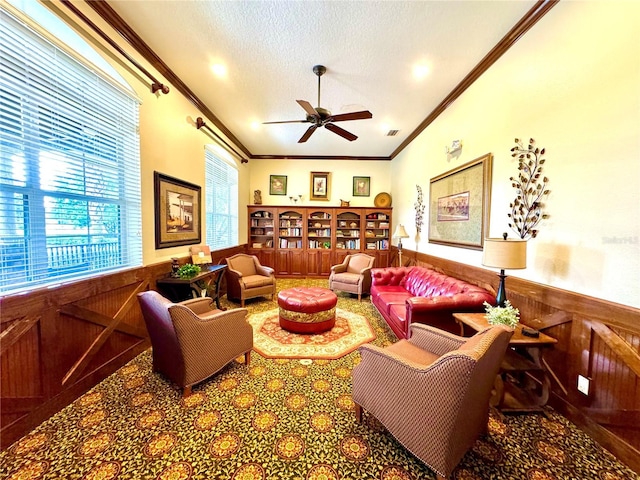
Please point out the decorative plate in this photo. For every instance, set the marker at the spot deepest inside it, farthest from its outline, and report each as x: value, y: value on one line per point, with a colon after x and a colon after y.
x: 383, y: 200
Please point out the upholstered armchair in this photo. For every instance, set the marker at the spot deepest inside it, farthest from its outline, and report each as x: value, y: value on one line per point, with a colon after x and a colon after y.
x: 246, y: 278
x: 191, y: 341
x: 432, y: 392
x: 353, y: 275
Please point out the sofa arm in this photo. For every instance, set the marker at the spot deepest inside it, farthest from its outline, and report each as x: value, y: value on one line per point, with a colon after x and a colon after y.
x: 389, y: 275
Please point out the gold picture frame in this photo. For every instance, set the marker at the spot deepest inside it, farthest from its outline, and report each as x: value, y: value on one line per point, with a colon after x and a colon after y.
x: 320, y: 188
x: 459, y: 204
x: 177, y: 207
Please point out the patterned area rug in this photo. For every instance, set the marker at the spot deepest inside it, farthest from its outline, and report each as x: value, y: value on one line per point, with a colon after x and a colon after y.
x: 350, y: 331
x: 277, y: 419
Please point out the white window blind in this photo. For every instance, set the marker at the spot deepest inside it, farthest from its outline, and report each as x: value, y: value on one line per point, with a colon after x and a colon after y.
x: 69, y: 165
x: 221, y: 192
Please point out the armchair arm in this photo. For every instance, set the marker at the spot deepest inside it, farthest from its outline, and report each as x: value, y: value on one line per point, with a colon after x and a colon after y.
x: 198, y: 305
x: 264, y: 270
x: 340, y: 267
x: 434, y: 340
x: 234, y: 273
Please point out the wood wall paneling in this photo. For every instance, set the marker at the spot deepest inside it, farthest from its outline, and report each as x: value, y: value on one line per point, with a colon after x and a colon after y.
x: 596, y: 338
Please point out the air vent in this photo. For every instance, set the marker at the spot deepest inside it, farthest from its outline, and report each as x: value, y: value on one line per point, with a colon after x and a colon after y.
x: 392, y: 133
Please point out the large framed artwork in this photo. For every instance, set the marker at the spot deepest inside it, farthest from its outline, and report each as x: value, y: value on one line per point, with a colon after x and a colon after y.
x: 320, y: 188
x: 459, y: 204
x: 177, y: 207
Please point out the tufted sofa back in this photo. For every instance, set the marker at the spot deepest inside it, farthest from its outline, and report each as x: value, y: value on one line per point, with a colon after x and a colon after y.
x: 424, y: 282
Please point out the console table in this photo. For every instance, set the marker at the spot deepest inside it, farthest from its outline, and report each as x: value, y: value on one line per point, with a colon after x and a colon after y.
x: 523, y: 382
x: 207, y: 282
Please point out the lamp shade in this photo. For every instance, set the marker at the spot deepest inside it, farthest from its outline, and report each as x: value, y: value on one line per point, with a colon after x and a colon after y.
x: 504, y: 254
x: 400, y: 232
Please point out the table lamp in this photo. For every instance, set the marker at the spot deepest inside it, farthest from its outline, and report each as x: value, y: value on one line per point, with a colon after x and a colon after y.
x: 504, y: 254
x: 400, y: 233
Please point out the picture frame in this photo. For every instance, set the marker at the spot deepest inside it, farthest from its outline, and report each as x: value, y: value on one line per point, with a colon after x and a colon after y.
x: 177, y: 209
x: 320, y: 188
x: 459, y: 204
x: 277, y: 184
x: 361, y: 186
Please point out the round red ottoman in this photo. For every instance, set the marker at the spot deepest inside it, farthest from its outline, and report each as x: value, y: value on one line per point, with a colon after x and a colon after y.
x: 307, y: 309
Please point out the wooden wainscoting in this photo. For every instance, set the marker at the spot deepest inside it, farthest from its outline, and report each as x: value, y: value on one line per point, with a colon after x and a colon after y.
x: 596, y: 338
x: 56, y: 343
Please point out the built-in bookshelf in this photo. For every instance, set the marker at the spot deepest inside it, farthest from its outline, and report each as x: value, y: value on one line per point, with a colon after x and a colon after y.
x: 376, y: 231
x: 261, y: 229
x: 348, y: 234
x: 298, y: 240
x: 319, y: 229
x: 290, y: 229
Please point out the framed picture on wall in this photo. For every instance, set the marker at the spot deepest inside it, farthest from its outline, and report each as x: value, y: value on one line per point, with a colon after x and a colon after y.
x: 177, y: 208
x: 361, y: 186
x: 320, y: 186
x: 459, y: 202
x: 277, y: 184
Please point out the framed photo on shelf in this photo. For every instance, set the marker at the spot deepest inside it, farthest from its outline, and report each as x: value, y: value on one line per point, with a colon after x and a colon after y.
x: 320, y: 186
x: 459, y: 204
x: 361, y: 186
x: 277, y: 184
x: 177, y: 207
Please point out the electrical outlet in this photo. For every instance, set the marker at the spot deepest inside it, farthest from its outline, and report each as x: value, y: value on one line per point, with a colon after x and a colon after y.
x: 583, y: 385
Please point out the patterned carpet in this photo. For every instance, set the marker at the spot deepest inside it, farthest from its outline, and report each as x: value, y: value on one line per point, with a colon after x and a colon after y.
x: 279, y: 419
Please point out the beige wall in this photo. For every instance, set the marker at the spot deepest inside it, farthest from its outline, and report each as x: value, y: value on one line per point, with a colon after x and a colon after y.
x: 573, y: 84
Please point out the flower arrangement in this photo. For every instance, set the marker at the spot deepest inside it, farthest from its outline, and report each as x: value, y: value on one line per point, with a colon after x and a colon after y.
x: 507, y: 315
x: 188, y: 270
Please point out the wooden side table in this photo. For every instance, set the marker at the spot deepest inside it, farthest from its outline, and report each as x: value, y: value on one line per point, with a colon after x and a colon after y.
x: 523, y: 382
x: 207, y: 282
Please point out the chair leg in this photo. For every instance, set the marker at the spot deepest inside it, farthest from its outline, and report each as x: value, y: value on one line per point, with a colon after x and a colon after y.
x: 358, y: 413
x: 359, y: 297
x: 186, y: 391
x: 247, y: 357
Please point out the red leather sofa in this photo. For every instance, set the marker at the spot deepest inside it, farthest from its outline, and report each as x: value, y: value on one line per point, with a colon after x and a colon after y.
x: 406, y: 295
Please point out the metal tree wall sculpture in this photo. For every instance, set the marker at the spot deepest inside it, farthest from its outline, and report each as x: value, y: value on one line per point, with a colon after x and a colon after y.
x: 419, y: 206
x: 527, y: 208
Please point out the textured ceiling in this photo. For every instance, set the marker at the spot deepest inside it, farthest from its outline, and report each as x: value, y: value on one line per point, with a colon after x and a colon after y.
x: 369, y: 48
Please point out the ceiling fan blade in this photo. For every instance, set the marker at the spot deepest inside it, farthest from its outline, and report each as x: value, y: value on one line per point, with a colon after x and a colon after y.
x: 340, y: 131
x: 308, y: 108
x: 308, y: 133
x: 286, y: 121
x: 352, y: 116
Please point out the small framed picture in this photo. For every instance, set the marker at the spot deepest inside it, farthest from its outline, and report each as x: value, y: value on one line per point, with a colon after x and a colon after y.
x: 277, y: 185
x: 361, y: 186
x: 320, y: 186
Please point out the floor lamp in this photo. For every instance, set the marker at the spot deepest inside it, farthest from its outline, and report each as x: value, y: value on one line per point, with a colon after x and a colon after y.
x: 504, y: 254
x: 400, y: 233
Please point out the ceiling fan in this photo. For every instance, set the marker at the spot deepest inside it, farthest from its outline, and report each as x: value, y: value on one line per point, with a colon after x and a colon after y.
x: 321, y: 117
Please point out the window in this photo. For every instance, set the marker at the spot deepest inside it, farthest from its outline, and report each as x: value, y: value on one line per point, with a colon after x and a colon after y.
x: 221, y: 201
x: 69, y: 165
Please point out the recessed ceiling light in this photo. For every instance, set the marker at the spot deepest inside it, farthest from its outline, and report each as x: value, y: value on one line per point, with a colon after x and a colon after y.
x: 420, y: 71
x: 255, y: 125
x: 219, y: 69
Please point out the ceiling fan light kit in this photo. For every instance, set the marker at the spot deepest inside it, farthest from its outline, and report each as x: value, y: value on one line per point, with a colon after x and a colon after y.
x: 321, y: 117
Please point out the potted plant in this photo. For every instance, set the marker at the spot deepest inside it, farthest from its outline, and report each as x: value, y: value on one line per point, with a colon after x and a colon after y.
x: 507, y: 315
x: 188, y: 270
